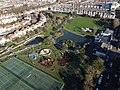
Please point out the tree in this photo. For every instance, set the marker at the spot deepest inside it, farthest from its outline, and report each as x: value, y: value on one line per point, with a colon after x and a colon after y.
x: 92, y: 72
x: 54, y: 28
x: 68, y: 44
x: 116, y: 22
x: 94, y: 29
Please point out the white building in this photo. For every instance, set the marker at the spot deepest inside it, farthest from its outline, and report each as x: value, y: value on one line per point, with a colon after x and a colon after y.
x: 8, y: 20
x: 111, y: 5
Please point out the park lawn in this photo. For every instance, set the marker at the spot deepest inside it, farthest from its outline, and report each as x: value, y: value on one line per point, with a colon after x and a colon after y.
x: 17, y: 49
x: 1, y: 25
x: 9, y: 43
x: 54, y: 55
x: 48, y: 32
x: 30, y: 51
x: 8, y: 53
x: 77, y: 23
x: 63, y: 15
x: 36, y: 64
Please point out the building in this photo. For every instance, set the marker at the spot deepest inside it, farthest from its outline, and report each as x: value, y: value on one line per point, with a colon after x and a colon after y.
x: 8, y: 20
x: 91, y: 10
x: 19, y: 29
x: 107, y: 32
x: 111, y: 5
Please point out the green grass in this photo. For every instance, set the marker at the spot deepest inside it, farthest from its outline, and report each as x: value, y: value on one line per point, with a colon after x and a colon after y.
x: 30, y: 51
x: 8, y: 53
x: 17, y: 49
x: 77, y: 23
x: 62, y: 15
x: 47, y: 33
x: 54, y: 55
x: 36, y: 64
x: 9, y: 43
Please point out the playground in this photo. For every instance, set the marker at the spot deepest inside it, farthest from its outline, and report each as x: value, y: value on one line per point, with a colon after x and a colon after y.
x: 17, y: 75
x: 33, y: 56
x: 45, y: 52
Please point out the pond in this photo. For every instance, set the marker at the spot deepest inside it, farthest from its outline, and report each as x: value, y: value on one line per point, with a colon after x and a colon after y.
x: 37, y: 40
x: 70, y: 36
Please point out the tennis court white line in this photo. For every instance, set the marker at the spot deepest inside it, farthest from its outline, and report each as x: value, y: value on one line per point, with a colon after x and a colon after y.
x: 6, y: 80
x: 28, y: 75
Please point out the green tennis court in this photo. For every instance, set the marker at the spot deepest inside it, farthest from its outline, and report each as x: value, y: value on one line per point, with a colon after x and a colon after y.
x: 17, y: 75
x: 9, y: 82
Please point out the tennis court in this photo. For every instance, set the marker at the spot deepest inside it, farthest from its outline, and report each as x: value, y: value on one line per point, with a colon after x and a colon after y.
x: 17, y: 75
x: 8, y: 81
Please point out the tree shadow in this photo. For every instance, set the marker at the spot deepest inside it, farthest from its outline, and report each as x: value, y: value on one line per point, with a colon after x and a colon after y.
x: 73, y: 75
x: 72, y: 81
x: 101, y: 23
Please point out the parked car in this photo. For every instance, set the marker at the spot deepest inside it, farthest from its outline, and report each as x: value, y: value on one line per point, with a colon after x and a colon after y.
x: 111, y: 64
x: 100, y: 79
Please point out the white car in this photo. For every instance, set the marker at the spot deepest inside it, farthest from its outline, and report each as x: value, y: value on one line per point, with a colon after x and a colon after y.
x: 116, y: 75
x: 100, y: 79
x: 97, y: 89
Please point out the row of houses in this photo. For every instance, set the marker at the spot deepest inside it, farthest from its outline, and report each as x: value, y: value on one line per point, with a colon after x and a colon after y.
x: 8, y: 20
x: 18, y: 3
x: 83, y: 9
x: 103, y: 6
x: 96, y: 13
x: 8, y: 15
x: 12, y: 17
x: 10, y: 28
x: 23, y: 31
x: 15, y: 15
x: 84, y: 12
